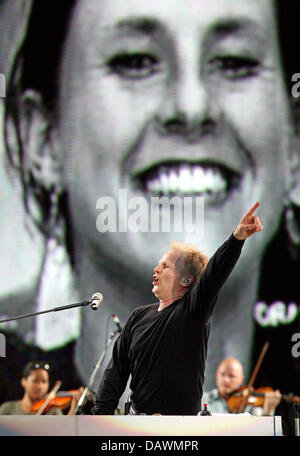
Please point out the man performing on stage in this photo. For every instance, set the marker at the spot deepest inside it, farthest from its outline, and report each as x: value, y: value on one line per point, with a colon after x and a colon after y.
x: 163, y: 346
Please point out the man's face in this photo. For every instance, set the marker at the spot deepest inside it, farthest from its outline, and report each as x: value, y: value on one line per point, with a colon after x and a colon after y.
x: 173, y: 97
x: 229, y: 377
x: 167, y: 277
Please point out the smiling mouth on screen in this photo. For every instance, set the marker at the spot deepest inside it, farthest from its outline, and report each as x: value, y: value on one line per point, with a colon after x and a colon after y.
x: 213, y: 181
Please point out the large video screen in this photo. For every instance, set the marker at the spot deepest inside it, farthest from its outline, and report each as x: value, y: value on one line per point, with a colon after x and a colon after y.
x: 126, y: 125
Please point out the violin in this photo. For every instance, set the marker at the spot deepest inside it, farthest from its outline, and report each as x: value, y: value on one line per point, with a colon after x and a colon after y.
x: 61, y: 400
x: 243, y: 396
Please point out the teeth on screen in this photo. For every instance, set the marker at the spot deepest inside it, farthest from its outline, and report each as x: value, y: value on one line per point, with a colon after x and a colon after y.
x: 198, y: 178
x: 187, y: 179
x: 164, y: 181
x: 173, y: 181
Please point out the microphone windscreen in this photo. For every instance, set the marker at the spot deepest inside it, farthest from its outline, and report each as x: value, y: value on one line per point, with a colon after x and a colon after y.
x: 97, y: 298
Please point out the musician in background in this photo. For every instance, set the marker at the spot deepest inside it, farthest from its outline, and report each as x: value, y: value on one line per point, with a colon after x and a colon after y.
x: 35, y: 381
x: 230, y: 377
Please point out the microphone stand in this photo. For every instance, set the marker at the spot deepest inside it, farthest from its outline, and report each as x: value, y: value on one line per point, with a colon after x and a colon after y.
x: 96, y: 368
x: 55, y: 309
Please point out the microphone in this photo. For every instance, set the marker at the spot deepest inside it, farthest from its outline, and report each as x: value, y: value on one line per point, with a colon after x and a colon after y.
x: 97, y: 298
x: 117, y: 322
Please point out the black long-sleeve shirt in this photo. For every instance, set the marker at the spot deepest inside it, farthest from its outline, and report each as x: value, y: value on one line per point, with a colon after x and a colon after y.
x: 165, y: 351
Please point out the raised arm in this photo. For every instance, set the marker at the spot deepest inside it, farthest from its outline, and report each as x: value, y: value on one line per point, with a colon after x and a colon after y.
x: 203, y: 296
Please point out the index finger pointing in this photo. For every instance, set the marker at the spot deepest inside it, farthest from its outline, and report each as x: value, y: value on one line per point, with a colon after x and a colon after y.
x: 253, y: 209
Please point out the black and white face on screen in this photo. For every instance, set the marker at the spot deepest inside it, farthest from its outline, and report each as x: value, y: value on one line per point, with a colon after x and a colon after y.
x: 186, y: 101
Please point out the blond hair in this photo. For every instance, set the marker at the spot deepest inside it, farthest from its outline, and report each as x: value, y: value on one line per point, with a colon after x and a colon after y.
x: 194, y: 260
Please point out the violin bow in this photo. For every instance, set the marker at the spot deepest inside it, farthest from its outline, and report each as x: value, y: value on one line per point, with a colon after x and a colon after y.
x: 254, y: 374
x: 258, y: 364
x: 50, y: 396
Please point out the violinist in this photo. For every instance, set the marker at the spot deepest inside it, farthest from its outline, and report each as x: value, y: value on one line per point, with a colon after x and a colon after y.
x: 35, y: 381
x: 230, y: 377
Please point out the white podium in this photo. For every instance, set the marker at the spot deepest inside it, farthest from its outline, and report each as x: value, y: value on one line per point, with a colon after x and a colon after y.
x: 86, y: 425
